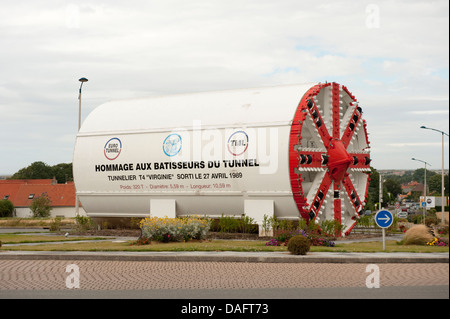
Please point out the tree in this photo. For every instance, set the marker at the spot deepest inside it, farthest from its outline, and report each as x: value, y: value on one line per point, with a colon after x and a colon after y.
x: 393, y: 187
x: 62, y: 172
x: 435, y: 184
x: 6, y: 208
x: 40, y: 170
x: 41, y: 206
x: 373, y: 195
x: 419, y: 175
x: 37, y: 170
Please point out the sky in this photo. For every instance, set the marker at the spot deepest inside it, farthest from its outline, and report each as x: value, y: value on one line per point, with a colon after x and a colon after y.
x: 392, y: 55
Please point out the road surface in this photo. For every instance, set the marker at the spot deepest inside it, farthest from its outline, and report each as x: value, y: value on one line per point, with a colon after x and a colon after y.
x: 179, y: 280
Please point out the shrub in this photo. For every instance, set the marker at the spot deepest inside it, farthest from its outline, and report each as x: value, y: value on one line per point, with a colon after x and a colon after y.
x: 231, y: 224
x: 41, y: 206
x: 175, y: 229
x: 84, y: 223
x: 286, y: 224
x: 6, y: 208
x: 56, y: 224
x: 331, y: 228
x: 364, y: 221
x: 299, y: 245
x: 442, y: 230
x: 283, y: 236
x: 431, y: 220
x: 228, y: 224
x: 418, y: 235
x: 247, y: 224
x: 416, y: 219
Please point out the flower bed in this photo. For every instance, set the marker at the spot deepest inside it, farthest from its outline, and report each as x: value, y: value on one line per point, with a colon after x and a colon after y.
x: 281, y: 237
x: 438, y: 242
x: 174, y: 229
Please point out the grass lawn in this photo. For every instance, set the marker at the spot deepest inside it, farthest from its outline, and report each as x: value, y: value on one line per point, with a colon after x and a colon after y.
x: 207, y: 245
x: 20, y: 238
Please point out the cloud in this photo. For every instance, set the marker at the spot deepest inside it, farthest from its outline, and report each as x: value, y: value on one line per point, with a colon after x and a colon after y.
x: 412, y: 144
x: 397, y: 69
x: 430, y: 112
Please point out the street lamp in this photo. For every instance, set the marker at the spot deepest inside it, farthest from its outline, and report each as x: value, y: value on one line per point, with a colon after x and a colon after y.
x: 442, y: 172
x: 424, y: 185
x: 82, y: 80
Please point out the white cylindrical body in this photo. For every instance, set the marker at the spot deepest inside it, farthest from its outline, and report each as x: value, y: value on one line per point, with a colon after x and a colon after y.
x: 290, y: 151
x: 209, y: 152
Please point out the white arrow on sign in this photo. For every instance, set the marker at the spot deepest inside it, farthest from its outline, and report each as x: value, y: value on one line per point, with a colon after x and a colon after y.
x: 386, y: 218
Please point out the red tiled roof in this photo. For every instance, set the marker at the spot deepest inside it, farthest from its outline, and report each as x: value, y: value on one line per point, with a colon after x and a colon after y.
x: 418, y: 188
x: 10, y: 190
x: 20, y: 190
x: 27, y: 181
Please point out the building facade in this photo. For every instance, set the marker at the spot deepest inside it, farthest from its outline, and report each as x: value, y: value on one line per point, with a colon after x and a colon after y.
x: 22, y: 192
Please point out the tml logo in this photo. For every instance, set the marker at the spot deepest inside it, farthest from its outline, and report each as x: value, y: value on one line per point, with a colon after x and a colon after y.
x: 237, y: 143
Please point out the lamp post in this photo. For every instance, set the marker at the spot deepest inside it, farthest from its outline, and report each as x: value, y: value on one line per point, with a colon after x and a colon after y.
x: 82, y: 80
x: 442, y: 172
x: 380, y: 191
x: 424, y: 185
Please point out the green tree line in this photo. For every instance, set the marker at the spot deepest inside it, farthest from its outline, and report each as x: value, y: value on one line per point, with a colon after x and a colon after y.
x: 392, y: 185
x: 40, y: 170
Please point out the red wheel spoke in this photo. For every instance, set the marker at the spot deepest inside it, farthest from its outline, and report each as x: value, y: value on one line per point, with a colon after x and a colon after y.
x: 337, y: 203
x: 352, y: 125
x: 318, y: 122
x: 352, y: 194
x: 319, y: 198
x: 335, y: 107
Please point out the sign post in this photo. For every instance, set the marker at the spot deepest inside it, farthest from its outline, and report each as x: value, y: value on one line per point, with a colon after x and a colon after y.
x: 384, y: 219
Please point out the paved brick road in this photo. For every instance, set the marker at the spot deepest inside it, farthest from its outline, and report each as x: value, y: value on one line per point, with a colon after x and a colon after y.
x: 136, y: 275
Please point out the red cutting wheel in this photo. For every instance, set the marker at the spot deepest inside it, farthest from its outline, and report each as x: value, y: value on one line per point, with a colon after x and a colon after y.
x: 329, y: 158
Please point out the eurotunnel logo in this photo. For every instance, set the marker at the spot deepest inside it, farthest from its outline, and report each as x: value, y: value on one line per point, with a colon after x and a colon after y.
x: 237, y: 143
x: 112, y: 148
x: 172, y: 144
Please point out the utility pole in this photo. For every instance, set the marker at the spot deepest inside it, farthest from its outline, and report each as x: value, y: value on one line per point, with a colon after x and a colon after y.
x: 82, y: 80
x: 442, y: 173
x: 380, y: 195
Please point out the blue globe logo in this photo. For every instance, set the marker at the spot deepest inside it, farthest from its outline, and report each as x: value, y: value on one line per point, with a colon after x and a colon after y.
x: 172, y: 144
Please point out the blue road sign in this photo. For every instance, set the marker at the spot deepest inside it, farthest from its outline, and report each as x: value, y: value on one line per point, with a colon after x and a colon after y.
x: 384, y: 218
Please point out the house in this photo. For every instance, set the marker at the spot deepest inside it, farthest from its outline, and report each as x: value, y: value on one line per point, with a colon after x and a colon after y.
x: 406, y: 188
x: 21, y: 193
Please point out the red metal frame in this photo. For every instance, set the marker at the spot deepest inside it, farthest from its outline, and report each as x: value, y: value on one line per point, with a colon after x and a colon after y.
x: 336, y: 160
